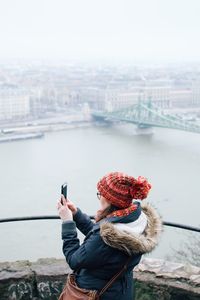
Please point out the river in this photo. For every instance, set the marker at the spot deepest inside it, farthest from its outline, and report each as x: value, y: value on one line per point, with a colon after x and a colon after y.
x: 32, y: 172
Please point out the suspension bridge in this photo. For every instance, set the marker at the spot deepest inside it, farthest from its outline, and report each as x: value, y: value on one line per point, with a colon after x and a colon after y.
x: 146, y: 114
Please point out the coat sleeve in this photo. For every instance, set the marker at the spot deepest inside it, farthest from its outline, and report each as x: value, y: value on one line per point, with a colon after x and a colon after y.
x: 86, y: 254
x: 83, y: 221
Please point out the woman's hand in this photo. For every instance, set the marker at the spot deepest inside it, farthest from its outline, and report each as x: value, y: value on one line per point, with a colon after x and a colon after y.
x: 66, y: 210
x: 71, y: 206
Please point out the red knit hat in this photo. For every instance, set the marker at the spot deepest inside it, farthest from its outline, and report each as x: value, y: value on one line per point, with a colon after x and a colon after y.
x: 119, y: 188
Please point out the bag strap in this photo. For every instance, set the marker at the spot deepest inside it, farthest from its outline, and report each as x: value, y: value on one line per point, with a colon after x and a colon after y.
x: 115, y: 277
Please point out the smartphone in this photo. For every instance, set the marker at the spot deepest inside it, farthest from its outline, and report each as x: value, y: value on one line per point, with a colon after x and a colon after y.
x: 64, y: 190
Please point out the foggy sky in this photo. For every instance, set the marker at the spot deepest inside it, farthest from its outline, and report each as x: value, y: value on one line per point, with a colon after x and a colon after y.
x: 100, y: 29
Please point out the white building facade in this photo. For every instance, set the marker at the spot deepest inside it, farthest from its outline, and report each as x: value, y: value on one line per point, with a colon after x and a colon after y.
x: 14, y: 103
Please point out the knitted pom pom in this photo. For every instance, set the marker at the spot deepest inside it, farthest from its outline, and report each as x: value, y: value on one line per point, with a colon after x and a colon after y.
x: 140, y: 189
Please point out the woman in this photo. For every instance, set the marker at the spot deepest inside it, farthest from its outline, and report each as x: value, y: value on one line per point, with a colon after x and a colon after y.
x: 121, y: 228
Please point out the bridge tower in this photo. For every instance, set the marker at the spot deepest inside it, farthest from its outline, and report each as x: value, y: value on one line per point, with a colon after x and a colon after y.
x: 142, y: 128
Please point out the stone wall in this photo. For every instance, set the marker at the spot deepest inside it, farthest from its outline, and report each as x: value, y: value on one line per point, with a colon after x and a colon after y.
x: 45, y: 278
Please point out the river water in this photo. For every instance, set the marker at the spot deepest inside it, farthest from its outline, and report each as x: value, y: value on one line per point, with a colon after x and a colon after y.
x: 32, y: 172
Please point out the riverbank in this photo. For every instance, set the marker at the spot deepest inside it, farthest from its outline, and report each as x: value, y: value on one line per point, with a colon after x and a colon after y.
x: 8, y: 134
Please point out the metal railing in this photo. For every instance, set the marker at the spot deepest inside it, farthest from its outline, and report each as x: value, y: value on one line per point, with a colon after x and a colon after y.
x: 52, y: 217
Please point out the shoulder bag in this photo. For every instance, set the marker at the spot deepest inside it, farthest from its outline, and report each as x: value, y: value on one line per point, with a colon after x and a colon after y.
x: 72, y: 292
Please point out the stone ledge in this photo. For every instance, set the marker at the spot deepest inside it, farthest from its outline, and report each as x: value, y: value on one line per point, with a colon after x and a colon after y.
x: 45, y: 278
x: 170, y: 270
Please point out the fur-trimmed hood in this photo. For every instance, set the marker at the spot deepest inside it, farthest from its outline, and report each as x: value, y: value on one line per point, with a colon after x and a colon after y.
x: 134, y: 240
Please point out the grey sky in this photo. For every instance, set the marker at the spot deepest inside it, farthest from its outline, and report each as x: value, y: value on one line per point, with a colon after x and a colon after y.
x: 98, y: 29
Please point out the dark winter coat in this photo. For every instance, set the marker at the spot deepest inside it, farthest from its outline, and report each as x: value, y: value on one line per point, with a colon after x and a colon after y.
x: 106, y: 247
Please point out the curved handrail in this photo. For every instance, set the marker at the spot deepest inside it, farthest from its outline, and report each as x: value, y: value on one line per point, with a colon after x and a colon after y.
x: 50, y: 217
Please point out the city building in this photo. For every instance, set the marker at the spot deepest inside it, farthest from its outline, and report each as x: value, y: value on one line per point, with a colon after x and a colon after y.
x: 180, y: 98
x: 14, y: 102
x: 196, y: 93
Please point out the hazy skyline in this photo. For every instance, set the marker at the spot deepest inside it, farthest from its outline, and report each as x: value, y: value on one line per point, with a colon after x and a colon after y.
x: 122, y: 29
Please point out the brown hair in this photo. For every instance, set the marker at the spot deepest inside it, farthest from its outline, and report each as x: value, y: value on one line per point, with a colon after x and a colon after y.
x: 103, y: 213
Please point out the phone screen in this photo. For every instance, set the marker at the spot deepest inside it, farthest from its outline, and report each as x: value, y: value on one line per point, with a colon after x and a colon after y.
x: 64, y: 190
